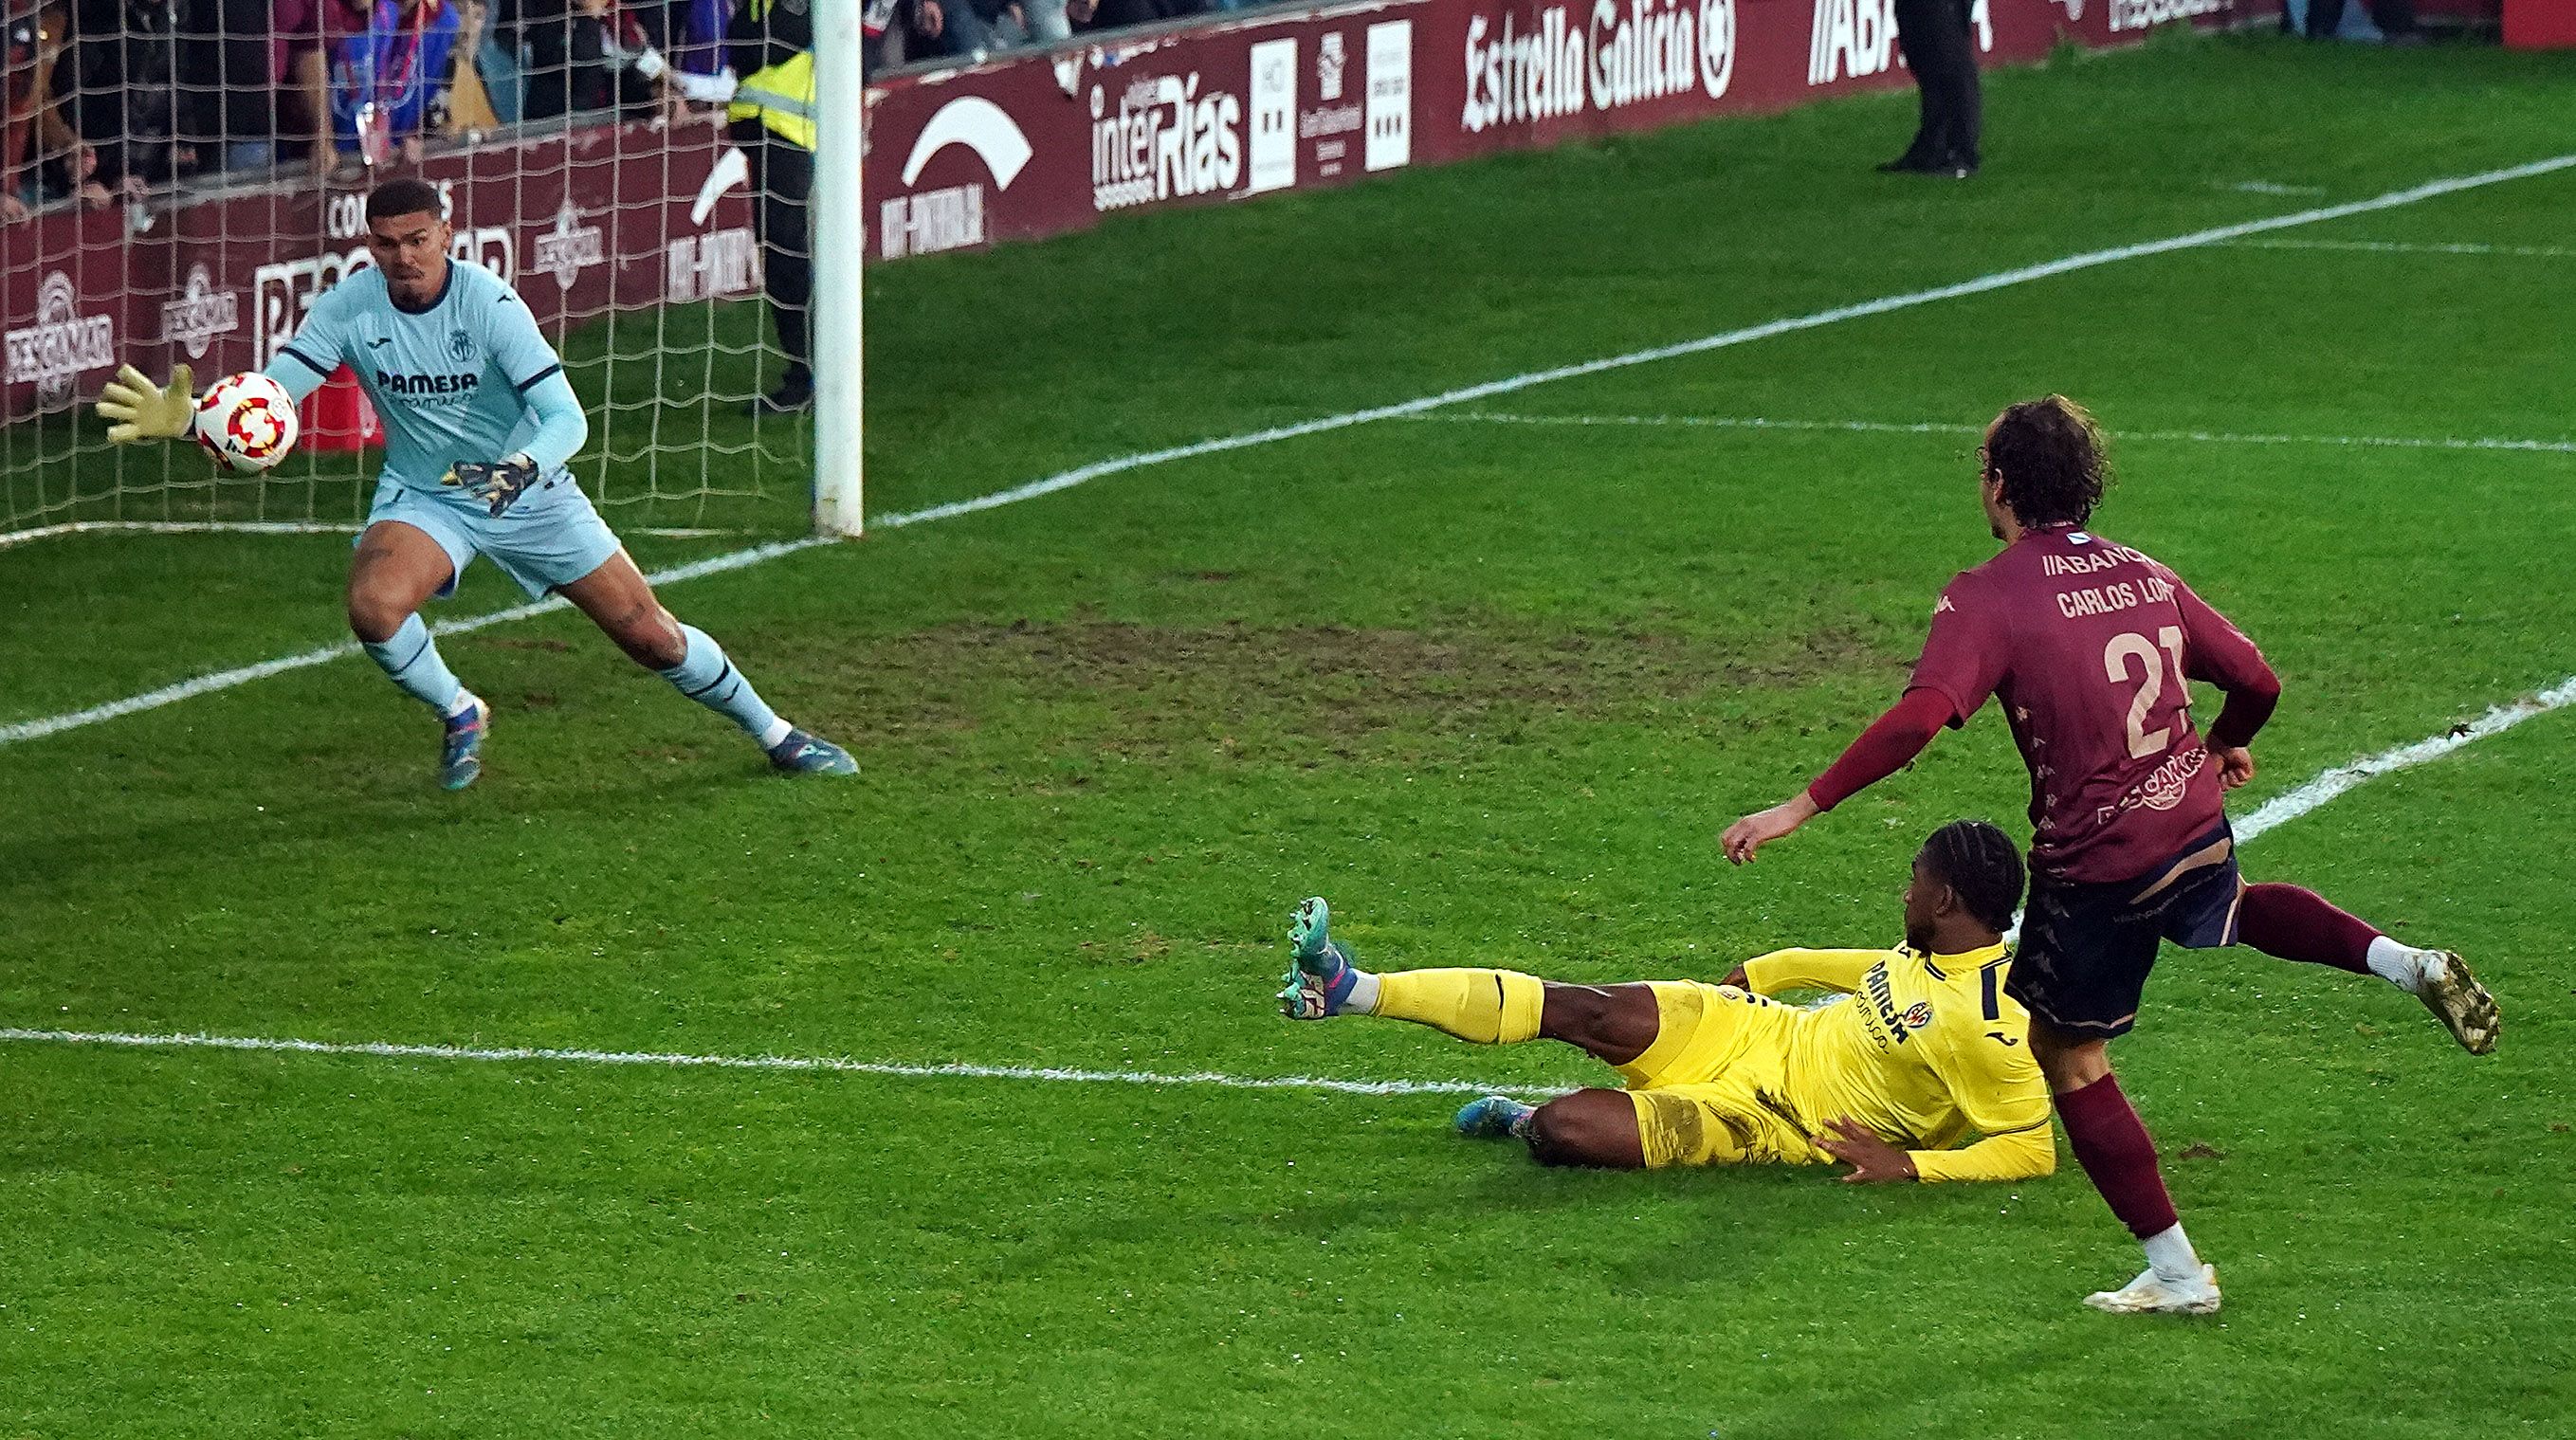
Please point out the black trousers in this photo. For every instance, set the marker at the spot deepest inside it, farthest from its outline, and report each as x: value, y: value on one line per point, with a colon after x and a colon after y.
x: 2393, y: 17
x: 782, y: 178
x: 1938, y: 47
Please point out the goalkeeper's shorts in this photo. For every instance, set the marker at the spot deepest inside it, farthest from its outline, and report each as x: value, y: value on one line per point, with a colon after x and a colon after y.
x: 1711, y: 1089
x: 550, y: 538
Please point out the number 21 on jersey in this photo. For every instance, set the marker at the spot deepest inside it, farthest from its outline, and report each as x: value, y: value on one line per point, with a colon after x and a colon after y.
x: 2131, y: 646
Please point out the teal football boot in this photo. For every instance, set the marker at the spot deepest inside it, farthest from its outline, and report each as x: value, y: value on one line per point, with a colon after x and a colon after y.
x: 460, y: 757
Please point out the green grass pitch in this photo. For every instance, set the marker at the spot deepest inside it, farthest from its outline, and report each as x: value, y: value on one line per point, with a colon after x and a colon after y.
x: 1493, y: 686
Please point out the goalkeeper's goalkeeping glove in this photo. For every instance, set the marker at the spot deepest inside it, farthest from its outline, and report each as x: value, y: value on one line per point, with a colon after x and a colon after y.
x: 140, y: 411
x: 497, y: 482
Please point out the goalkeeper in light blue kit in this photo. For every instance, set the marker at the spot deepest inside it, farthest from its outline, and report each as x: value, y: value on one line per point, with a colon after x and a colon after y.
x: 479, y: 421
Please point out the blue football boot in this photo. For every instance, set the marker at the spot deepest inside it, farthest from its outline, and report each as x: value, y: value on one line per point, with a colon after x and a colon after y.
x: 803, y: 754
x: 1494, y: 1117
x: 460, y: 758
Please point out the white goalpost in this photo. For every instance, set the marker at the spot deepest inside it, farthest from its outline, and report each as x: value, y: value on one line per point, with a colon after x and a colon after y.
x: 608, y: 192
x: 840, y: 238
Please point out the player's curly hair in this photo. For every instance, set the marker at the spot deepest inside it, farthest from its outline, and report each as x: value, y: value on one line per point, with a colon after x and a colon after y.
x: 405, y: 196
x: 1981, y: 864
x: 2049, y: 456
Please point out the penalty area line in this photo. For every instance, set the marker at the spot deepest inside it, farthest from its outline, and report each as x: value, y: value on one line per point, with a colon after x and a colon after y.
x: 810, y: 1064
x: 1084, y: 474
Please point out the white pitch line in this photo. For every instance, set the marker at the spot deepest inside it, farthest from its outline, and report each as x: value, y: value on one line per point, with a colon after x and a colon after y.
x: 1936, y: 427
x: 2271, y: 815
x: 323, y: 655
x: 2409, y: 247
x: 269, y: 527
x: 815, y: 1064
x: 1084, y: 474
x: 2282, y: 809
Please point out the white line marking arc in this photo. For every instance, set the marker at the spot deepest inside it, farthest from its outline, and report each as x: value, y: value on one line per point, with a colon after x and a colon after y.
x: 1084, y: 474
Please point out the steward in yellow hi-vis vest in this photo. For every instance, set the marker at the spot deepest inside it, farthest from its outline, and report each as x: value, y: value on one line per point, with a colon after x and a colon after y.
x: 771, y: 43
x: 1921, y: 1048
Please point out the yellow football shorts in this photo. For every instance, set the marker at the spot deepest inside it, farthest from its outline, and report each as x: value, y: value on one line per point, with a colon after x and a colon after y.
x: 1711, y: 1089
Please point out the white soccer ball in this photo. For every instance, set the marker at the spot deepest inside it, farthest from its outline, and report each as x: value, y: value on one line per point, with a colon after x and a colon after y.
x: 246, y: 421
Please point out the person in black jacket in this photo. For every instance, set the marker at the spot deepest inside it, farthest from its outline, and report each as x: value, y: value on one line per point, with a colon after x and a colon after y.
x: 766, y: 33
x: 125, y: 75
x: 1934, y: 36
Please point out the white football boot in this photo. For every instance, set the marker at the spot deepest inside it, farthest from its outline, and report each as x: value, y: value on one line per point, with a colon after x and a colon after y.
x: 2457, y: 999
x: 2152, y: 1294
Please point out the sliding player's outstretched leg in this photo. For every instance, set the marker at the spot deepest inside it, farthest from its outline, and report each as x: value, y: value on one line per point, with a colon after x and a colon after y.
x: 1322, y: 978
x: 397, y: 569
x: 616, y: 598
x: 1490, y: 1007
x: 1485, y: 1007
x: 2297, y: 924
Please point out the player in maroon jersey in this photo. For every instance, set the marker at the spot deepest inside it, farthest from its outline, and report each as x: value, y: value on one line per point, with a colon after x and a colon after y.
x: 2089, y: 647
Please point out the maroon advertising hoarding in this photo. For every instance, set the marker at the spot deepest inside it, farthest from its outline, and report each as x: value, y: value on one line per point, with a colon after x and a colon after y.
x: 633, y: 214
x: 1045, y: 143
x: 614, y: 215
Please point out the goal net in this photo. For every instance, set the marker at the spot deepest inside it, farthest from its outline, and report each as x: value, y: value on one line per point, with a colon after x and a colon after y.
x: 165, y: 207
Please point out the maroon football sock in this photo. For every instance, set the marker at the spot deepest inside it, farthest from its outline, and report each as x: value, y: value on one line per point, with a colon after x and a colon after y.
x: 2297, y: 924
x: 2111, y: 1143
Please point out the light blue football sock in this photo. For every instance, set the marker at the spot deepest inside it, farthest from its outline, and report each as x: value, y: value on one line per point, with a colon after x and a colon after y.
x: 411, y: 659
x: 706, y: 676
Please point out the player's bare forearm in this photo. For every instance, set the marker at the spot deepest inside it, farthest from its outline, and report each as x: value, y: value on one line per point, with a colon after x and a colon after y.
x: 1762, y: 827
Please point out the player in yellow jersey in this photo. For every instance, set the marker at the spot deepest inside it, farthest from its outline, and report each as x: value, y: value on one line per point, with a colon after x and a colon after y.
x: 1923, y: 1047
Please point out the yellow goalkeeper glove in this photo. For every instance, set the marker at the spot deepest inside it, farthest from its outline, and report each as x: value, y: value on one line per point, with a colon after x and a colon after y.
x: 141, y: 412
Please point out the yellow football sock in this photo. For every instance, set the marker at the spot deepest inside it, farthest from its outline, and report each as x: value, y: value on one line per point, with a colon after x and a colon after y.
x: 1487, y: 1007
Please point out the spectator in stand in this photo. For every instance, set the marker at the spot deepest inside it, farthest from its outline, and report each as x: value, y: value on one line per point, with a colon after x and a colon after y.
x: 229, y: 112
x: 125, y: 76
x: 389, y: 81
x: 588, y: 55
x: 309, y: 33
x: 41, y: 154
x: 1087, y: 16
x: 968, y: 29
x: 691, y: 35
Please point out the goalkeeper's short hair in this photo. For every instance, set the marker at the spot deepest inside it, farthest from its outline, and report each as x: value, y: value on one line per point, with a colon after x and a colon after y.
x: 406, y: 196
